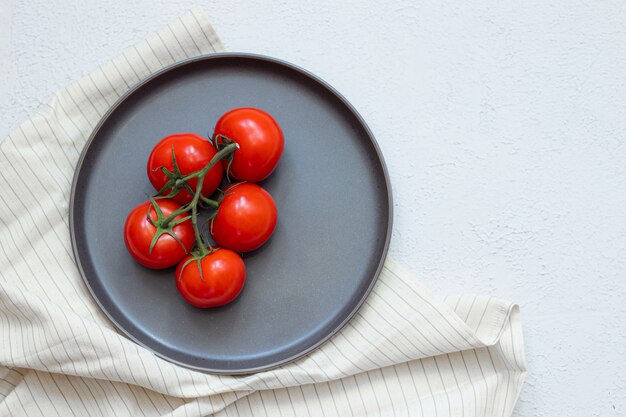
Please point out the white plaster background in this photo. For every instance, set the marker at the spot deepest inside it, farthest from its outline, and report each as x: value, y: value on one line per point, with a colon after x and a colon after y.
x: 503, y: 125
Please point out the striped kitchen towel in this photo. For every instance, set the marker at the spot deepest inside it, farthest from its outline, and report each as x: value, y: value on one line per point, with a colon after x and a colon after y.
x: 406, y: 353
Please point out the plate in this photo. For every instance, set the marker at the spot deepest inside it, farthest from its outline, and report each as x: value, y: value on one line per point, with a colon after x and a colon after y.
x: 331, y: 189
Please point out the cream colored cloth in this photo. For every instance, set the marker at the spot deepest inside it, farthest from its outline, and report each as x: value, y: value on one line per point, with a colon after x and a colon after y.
x: 405, y: 353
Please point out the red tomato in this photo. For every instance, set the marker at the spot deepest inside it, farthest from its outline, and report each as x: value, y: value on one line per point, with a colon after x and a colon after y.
x: 193, y: 152
x: 139, y: 232
x: 260, y: 141
x: 245, y: 219
x: 223, y: 276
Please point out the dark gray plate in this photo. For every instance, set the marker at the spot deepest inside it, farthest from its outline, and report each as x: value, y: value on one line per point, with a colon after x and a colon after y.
x: 331, y: 189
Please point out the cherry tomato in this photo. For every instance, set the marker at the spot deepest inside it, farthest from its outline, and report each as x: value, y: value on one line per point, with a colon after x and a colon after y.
x: 223, y: 276
x: 245, y: 219
x: 192, y: 152
x: 139, y: 233
x: 260, y: 141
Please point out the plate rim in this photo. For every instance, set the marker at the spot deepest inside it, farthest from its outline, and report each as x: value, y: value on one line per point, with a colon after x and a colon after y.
x: 219, y: 56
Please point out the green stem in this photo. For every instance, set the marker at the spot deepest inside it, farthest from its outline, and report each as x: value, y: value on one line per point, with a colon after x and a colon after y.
x: 212, y: 203
x: 227, y: 150
x: 174, y: 214
x: 200, y: 174
x: 194, y: 217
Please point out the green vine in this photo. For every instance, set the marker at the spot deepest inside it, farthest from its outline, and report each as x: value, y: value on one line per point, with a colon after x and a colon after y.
x: 177, y: 182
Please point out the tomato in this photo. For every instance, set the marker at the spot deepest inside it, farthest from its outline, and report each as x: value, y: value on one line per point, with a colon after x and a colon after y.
x: 260, y: 141
x: 245, y: 219
x: 193, y: 152
x: 223, y: 276
x: 139, y: 233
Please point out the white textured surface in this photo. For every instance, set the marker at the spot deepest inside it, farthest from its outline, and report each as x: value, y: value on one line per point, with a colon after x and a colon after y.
x: 504, y: 128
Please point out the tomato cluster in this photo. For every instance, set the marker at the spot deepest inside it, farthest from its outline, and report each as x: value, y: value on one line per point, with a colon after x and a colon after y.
x: 187, y: 171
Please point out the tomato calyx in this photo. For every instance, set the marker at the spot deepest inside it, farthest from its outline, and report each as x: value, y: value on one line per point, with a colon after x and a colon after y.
x: 176, y: 180
x: 198, y: 256
x: 165, y: 224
